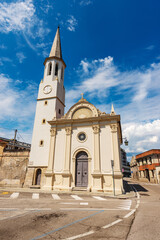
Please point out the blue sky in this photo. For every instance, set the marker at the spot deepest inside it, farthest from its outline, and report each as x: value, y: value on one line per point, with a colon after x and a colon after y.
x: 112, y: 52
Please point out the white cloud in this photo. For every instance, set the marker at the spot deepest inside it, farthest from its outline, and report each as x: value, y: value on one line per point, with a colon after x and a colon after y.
x: 16, y: 16
x: 17, y: 105
x: 4, y: 60
x: 151, y: 47
x: 20, y: 17
x: 135, y: 95
x: 85, y: 2
x: 2, y: 46
x: 72, y: 23
x: 142, y: 136
x: 20, y: 56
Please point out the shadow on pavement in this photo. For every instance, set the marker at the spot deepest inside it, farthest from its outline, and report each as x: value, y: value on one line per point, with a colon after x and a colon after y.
x: 128, y: 187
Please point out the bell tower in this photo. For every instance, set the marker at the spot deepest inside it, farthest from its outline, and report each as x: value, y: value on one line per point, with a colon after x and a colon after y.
x: 50, y: 104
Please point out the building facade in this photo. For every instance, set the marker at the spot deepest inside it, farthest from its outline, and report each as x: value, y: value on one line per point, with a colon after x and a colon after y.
x: 125, y: 164
x: 14, y: 158
x: 74, y: 150
x: 134, y: 168
x: 147, y: 163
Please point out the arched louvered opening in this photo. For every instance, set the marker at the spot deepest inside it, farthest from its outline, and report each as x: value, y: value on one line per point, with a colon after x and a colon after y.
x: 56, y: 70
x: 49, y: 68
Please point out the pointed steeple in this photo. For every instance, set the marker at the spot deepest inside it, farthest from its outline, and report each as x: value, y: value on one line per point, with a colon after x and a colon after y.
x: 112, y: 111
x: 56, y: 47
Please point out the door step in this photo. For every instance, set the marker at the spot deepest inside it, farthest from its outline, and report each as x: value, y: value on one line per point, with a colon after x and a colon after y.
x: 79, y: 189
x: 35, y: 187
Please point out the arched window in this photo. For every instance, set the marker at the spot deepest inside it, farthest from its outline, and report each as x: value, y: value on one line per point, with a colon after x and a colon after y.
x: 56, y: 70
x: 49, y: 68
x: 62, y: 73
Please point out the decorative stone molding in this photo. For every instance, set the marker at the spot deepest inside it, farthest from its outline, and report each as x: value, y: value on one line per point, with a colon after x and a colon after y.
x: 53, y: 131
x: 114, y: 127
x: 96, y: 128
x: 68, y: 130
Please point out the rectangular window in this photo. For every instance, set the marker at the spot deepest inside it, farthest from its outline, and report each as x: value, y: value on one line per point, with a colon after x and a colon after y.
x: 41, y: 144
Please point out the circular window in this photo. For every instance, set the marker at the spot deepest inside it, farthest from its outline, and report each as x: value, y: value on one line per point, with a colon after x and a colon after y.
x: 82, y: 137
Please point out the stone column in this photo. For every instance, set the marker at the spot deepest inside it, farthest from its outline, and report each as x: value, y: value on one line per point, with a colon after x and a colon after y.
x: 97, y: 175
x: 66, y: 171
x: 50, y: 169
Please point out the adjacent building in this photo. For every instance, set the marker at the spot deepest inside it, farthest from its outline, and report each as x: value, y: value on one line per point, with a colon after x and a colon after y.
x: 125, y: 164
x: 14, y: 158
x: 149, y: 165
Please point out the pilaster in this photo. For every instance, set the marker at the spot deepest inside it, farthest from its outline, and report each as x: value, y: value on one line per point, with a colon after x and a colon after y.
x: 116, y: 148
x: 50, y: 172
x: 97, y: 175
x: 66, y: 171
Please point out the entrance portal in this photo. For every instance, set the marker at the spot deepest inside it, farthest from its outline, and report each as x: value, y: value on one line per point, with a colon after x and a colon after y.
x: 82, y: 169
x: 38, y: 177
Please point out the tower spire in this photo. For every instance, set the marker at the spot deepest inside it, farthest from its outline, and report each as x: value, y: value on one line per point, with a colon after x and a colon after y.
x: 56, y: 47
x: 112, y: 111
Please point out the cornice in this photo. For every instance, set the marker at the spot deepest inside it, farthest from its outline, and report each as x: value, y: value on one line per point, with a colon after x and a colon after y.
x: 39, y: 99
x: 103, y: 118
x: 50, y: 58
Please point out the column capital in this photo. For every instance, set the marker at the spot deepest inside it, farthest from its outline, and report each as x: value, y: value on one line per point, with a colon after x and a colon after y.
x: 68, y: 130
x: 96, y: 128
x: 53, y: 131
x: 114, y: 127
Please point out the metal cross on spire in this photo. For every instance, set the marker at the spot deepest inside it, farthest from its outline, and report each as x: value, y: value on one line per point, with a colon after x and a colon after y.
x: 82, y: 95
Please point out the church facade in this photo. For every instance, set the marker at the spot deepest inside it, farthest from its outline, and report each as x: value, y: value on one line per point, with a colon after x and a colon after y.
x: 72, y: 151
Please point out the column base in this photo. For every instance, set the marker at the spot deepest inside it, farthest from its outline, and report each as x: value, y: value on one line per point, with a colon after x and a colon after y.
x: 97, y: 182
x: 48, y: 181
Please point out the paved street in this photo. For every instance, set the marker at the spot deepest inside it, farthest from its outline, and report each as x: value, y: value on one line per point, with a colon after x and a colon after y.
x: 78, y: 216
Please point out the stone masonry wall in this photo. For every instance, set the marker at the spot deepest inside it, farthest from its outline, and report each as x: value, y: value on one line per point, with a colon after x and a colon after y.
x: 13, y: 168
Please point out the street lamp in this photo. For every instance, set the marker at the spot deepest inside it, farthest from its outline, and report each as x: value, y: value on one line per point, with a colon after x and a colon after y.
x: 112, y: 165
x: 126, y: 141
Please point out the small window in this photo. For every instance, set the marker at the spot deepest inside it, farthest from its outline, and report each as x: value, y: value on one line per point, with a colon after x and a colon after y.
x: 49, y: 68
x: 41, y: 143
x: 46, y: 102
x: 56, y: 70
x: 62, y: 73
x: 59, y: 111
x: 43, y: 121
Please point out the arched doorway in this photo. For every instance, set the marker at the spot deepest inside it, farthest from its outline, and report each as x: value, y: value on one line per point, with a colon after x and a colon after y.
x: 38, y: 177
x: 81, y: 169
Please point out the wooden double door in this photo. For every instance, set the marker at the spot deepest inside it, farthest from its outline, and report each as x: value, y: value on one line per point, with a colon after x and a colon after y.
x: 82, y: 169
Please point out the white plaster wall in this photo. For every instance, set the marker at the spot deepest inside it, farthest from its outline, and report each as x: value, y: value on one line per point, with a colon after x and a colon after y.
x: 88, y: 144
x: 39, y: 155
x: 106, y: 149
x: 59, y: 150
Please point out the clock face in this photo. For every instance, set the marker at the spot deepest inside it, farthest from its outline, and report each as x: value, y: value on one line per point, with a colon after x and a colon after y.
x: 47, y: 89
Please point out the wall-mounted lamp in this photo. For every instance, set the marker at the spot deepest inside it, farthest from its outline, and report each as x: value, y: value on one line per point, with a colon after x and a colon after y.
x: 126, y: 141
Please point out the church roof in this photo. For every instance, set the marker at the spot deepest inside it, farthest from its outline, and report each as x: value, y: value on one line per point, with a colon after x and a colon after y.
x: 56, y: 47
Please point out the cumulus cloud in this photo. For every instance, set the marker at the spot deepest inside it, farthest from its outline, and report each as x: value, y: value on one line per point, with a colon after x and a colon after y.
x: 142, y: 136
x: 135, y: 95
x: 72, y: 23
x: 15, y: 101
